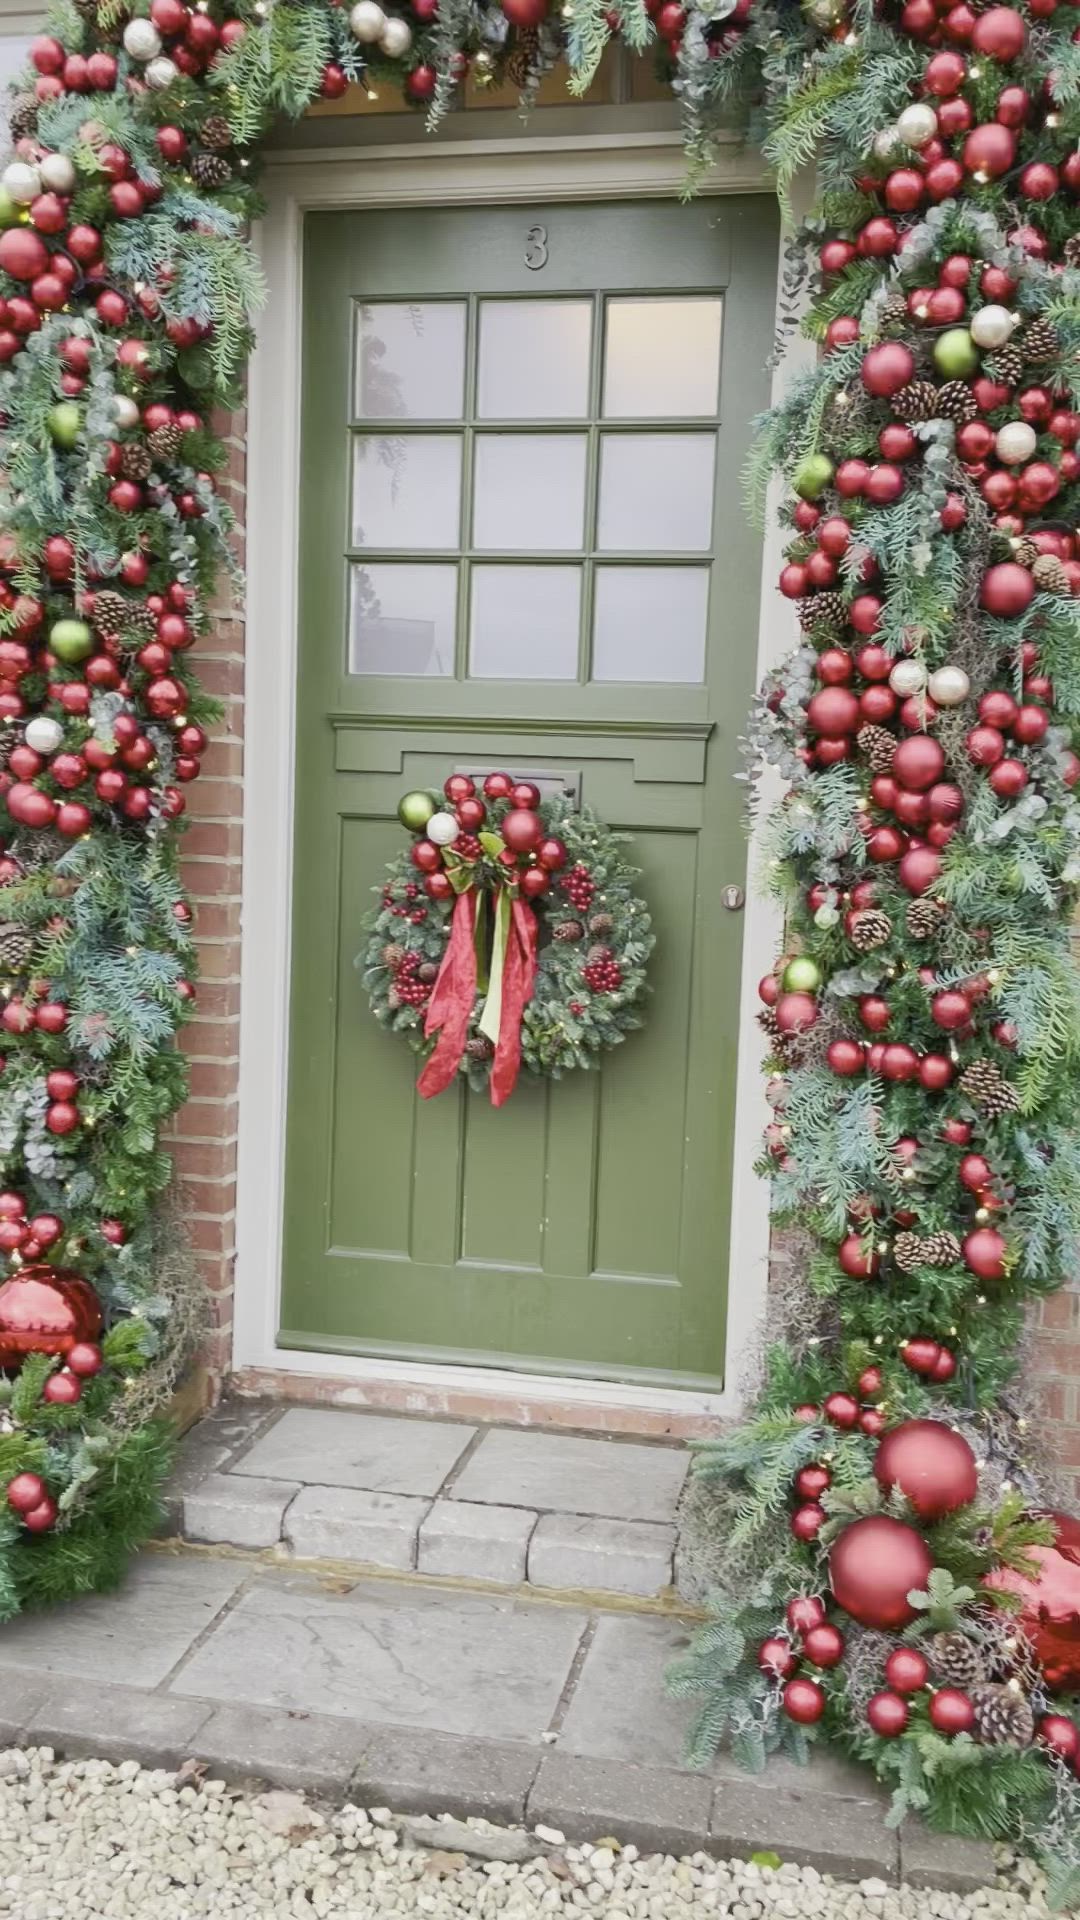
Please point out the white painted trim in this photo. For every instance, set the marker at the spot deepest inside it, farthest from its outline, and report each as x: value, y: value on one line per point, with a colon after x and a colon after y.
x: 580, y: 167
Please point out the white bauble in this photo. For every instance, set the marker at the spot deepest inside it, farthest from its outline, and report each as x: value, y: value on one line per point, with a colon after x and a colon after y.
x: 917, y: 124
x: 826, y: 917
x: 21, y: 182
x: 992, y: 327
x: 907, y: 677
x: 125, y: 410
x: 948, y: 686
x: 57, y: 172
x: 142, y: 41
x: 43, y: 733
x: 442, y: 827
x: 367, y: 21
x: 887, y: 144
x: 161, y: 73
x: 1015, y: 443
x: 396, y: 37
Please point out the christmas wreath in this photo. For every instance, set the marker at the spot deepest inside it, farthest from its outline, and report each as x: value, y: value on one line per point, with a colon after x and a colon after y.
x: 508, y: 934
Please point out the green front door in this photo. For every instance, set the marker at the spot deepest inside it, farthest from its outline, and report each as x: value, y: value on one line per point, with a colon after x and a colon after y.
x: 522, y: 547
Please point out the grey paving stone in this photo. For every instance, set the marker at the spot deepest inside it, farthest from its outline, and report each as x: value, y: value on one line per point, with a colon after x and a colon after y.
x: 348, y: 1523
x: 840, y: 1836
x: 658, y: 1811
x: 827, y: 1773
x: 573, y: 1550
x: 480, y: 1543
x: 118, y: 1723
x: 309, y: 1752
x: 620, y: 1705
x: 21, y: 1694
x: 208, y: 1447
x: 417, y: 1771
x: 944, y: 1860
x: 134, y: 1636
x: 228, y: 1509
x: 325, y: 1446
x: 568, y: 1473
x: 491, y: 1665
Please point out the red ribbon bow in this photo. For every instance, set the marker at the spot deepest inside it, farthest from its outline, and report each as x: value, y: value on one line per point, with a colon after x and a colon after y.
x: 454, y: 995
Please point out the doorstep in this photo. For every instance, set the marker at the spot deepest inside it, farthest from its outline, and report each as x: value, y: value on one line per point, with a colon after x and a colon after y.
x: 503, y: 1505
x: 429, y: 1699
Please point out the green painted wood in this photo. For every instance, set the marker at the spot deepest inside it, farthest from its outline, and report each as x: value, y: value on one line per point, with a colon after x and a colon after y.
x: 583, y: 1228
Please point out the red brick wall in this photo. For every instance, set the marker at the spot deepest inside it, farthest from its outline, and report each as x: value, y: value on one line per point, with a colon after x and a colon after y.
x: 1057, y: 1365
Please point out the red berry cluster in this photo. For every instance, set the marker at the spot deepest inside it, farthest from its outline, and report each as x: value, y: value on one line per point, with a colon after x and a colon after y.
x: 579, y: 887
x: 604, y: 974
x: 411, y: 991
x: 406, y: 907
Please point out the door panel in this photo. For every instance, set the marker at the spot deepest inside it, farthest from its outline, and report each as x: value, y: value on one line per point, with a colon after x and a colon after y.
x: 521, y: 548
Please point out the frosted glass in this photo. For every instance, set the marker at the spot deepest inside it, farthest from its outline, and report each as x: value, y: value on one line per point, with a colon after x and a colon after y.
x: 410, y: 360
x: 656, y: 492
x: 529, y: 491
x: 662, y: 358
x: 402, y: 619
x: 650, y: 623
x: 406, y: 490
x: 525, y: 623
x: 534, y: 359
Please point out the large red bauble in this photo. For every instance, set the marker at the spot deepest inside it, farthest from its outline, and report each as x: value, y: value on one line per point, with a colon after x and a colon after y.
x: 907, y: 1670
x: 984, y: 1252
x: 1000, y: 33
x: 887, y: 1714
x: 796, y: 1012
x: 1050, y: 1604
x: 522, y: 829
x: 45, y: 1310
x: 990, y: 150
x: 918, y: 762
x: 890, y: 366
x: 951, y: 1711
x: 23, y: 253
x: 804, y: 1701
x: 931, y: 1464
x: 1007, y: 589
x: 873, y: 1566
x: 833, y: 712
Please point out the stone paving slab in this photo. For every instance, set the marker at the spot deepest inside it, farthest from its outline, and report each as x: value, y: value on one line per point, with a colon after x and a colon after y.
x: 476, y: 1542
x: 308, y: 1752
x: 230, y: 1511
x: 423, y: 1772
x: 579, y: 1552
x: 350, y: 1523
x: 570, y: 1473
x: 835, y: 1835
x: 133, y: 1637
x: 331, y: 1447
x: 88, y: 1718
x: 590, y: 1799
x: 624, y: 1668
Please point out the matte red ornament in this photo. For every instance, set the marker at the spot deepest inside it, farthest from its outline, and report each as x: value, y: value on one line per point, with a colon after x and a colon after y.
x: 990, y: 150
x: 807, y: 1521
x: 951, y: 1711
x: 846, y: 1057
x: 907, y: 1670
x: 890, y: 366
x: 1000, y: 33
x: 45, y: 1310
x: 1007, y: 590
x: 804, y: 1612
x: 796, y: 1012
x: 777, y: 1657
x: 824, y: 1645
x: 804, y: 1701
x: 857, y: 1258
x: 984, y: 1252
x: 888, y: 1714
x: 930, y: 1463
x: 921, y: 1354
x: 1050, y: 1604
x: 1061, y: 1735
x: 873, y: 1566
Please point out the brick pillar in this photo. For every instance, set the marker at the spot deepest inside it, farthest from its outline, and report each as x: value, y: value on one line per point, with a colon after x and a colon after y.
x: 204, y: 1133
x: 1056, y: 1373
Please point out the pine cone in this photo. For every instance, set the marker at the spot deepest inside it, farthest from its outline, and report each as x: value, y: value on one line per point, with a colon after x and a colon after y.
x: 917, y: 401
x: 601, y: 923
x: 923, y: 918
x: 1003, y: 1716
x: 877, y: 745
x: 136, y: 460
x: 1072, y: 250
x: 941, y: 1249
x: 9, y: 738
x: 209, y: 171
x: 392, y: 955
x: 164, y: 442
x: 828, y: 609
x: 523, y: 57
x: 893, y: 313
x: 110, y: 612
x: 768, y: 1023
x: 1049, y: 575
x: 569, y: 930
x: 1039, y: 341
x: 140, y: 622
x: 986, y: 1086
x: 868, y: 928
x: 1025, y: 552
x: 908, y: 1251
x: 23, y: 117
x: 1007, y: 365
x: 956, y: 1661
x: 16, y: 946
x: 955, y: 401
x: 479, y: 1047
x: 216, y: 133
x: 596, y: 956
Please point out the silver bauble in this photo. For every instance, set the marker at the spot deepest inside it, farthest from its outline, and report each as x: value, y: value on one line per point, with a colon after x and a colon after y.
x: 917, y: 124
x: 125, y: 410
x: 887, y: 145
x: 142, y: 41
x: 367, y: 21
x: 443, y: 829
x: 992, y: 327
x: 21, y: 182
x: 43, y: 734
x: 396, y: 37
x: 57, y: 172
x: 948, y: 686
x: 907, y: 677
x: 1015, y: 443
x: 161, y: 73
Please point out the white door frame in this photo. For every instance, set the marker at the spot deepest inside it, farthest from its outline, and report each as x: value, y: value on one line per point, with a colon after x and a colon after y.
x: 524, y: 168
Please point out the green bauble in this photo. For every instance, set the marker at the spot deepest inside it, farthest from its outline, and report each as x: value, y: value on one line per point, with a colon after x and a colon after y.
x: 813, y: 475
x: 415, y: 810
x: 71, y: 641
x: 65, y: 423
x: 955, y: 354
x: 10, y: 214
x: 802, y: 975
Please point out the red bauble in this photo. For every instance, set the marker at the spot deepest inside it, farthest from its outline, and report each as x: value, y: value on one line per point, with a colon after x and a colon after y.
x: 1050, y: 1604
x: 984, y: 1252
x: 522, y: 829
x: 45, y: 1310
x: 919, y: 869
x: 807, y: 1521
x: 990, y: 150
x: 804, y: 1701
x: 887, y: 1714
x: 974, y: 1172
x: 796, y: 1012
x: 1007, y: 589
x: 438, y: 886
x: 524, y: 13
x: 552, y: 854
x: 23, y: 254
x: 84, y: 1359
x: 950, y: 1010
x: 906, y: 1670
x: 833, y: 712
x: 835, y: 667
x: 841, y: 1410
x: 805, y: 1612
x: 61, y: 1390
x: 458, y: 787
x: 25, y: 1492
x: 873, y: 1566
x: 1062, y: 1736
x: 857, y: 1258
x: 930, y: 1463
x: 920, y: 1354
x: 945, y: 74
x: 535, y: 882
x: 42, y: 1517
x: 824, y: 1645
x: 812, y: 1481
x: 951, y: 1711
x: 918, y: 762
x: 846, y: 1057
x: 890, y: 366
x: 936, y: 1071
x: 777, y: 1657
x: 1000, y: 33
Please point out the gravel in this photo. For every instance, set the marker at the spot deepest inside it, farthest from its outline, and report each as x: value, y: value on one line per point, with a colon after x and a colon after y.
x: 84, y: 1840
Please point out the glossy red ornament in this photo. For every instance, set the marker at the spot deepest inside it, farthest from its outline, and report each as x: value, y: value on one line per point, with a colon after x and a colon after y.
x: 824, y: 1645
x: 944, y: 74
x: 25, y: 1491
x: 45, y: 1310
x: 878, y: 238
x: 23, y: 254
x: 990, y: 150
x: 807, y: 1521
x: 61, y: 1390
x: 936, y: 1072
x: 41, y: 1518
x: 1061, y: 1735
x: 805, y: 1612
x: 921, y: 1354
x: 950, y: 1009
x: 84, y: 1359
x: 811, y: 1482
x: 1000, y: 33
x: 1050, y: 1604
x: 796, y: 1012
x: 870, y: 1382
x: 907, y: 1670
x: 874, y: 1012
x: 873, y: 1566
x: 777, y: 1657
x: 522, y: 829
x: 804, y: 1701
x: 984, y: 1252
x: 890, y: 366
x: 841, y: 1410
x: 899, y: 1062
x: 930, y: 1463
x: 859, y: 1261
x: 846, y: 1057
x: 834, y: 711
x: 888, y: 1714
x: 951, y: 1711
x: 1006, y: 590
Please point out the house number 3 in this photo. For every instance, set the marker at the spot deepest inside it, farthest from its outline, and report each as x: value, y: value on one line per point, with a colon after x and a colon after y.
x: 536, y: 248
